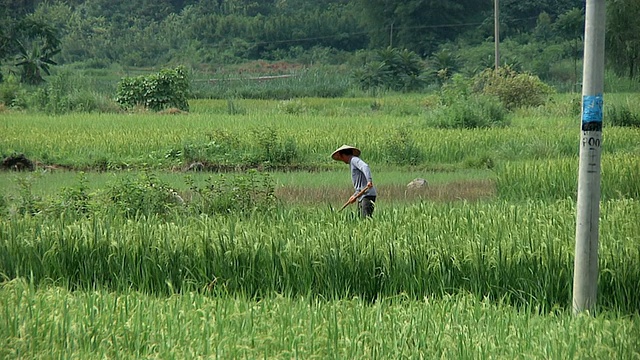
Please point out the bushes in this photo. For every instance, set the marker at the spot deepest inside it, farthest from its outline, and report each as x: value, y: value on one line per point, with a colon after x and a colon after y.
x: 471, y: 113
x: 485, y: 100
x: 402, y: 149
x: 243, y: 194
x: 10, y: 92
x: 462, y: 109
x: 622, y: 116
x: 392, y: 69
x: 513, y: 89
x: 145, y: 194
x: 168, y: 88
x: 64, y: 92
x: 266, y: 147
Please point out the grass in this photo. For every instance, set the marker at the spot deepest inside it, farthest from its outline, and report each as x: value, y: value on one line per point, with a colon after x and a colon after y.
x: 96, y: 324
x: 514, y: 253
x: 476, y: 265
x: 113, y: 141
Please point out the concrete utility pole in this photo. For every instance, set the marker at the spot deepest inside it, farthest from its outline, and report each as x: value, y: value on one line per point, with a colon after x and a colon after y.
x: 585, y: 275
x: 496, y: 30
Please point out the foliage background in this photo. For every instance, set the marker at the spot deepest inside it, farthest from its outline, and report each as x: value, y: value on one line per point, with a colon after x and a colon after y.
x: 540, y: 37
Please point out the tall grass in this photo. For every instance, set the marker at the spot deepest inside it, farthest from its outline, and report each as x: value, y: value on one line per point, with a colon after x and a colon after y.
x: 558, y: 179
x: 54, y: 322
x: 114, y: 141
x: 514, y: 253
x: 301, y: 83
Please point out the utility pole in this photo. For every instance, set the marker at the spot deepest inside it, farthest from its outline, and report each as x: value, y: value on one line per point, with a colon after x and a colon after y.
x: 585, y: 275
x: 496, y: 31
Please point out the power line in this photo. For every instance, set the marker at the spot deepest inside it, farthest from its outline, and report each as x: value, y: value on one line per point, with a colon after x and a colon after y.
x: 404, y: 28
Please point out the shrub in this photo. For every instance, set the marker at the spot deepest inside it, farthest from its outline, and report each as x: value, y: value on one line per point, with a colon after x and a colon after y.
x: 29, y: 203
x: 272, y: 149
x: 74, y: 200
x: 145, y: 195
x: 622, y: 116
x: 243, y: 194
x: 168, y: 88
x: 4, y: 204
x: 9, y: 91
x: 470, y: 113
x: 512, y: 88
x: 392, y: 69
x: 401, y: 148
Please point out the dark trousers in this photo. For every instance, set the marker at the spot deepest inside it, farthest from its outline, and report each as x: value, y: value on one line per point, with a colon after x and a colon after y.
x: 367, y: 205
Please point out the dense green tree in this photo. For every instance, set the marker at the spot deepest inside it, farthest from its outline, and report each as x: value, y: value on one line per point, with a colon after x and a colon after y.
x: 35, y: 61
x: 570, y: 26
x: 419, y: 25
x: 17, y: 8
x: 391, y: 68
x: 521, y: 15
x: 623, y: 36
x: 31, y: 43
x: 456, y: 36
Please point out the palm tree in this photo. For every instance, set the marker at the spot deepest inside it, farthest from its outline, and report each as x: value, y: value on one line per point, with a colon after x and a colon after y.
x: 35, y: 62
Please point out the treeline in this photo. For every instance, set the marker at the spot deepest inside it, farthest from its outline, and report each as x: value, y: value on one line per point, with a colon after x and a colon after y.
x: 542, y: 37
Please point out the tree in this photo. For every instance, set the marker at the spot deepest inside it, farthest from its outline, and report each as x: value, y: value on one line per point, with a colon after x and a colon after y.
x: 394, y: 69
x: 521, y: 15
x: 34, y: 62
x: 32, y: 43
x: 418, y: 25
x: 570, y: 26
x: 44, y: 44
x: 623, y: 36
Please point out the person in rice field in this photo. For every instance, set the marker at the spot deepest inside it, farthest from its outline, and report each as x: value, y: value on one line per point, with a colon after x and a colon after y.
x: 365, y: 193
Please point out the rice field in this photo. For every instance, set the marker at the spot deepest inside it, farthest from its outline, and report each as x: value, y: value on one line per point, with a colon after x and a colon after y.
x: 478, y: 264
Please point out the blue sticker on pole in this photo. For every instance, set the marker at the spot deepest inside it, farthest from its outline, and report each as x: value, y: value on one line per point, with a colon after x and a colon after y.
x: 592, y: 108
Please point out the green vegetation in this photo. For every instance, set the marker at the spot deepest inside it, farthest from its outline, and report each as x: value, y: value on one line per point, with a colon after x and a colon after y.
x: 98, y: 324
x: 164, y: 244
x: 516, y: 253
x: 269, y: 134
x: 168, y: 88
x: 166, y: 188
x: 273, y: 50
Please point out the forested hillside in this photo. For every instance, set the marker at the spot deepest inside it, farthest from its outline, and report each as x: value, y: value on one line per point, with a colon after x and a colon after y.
x: 541, y: 37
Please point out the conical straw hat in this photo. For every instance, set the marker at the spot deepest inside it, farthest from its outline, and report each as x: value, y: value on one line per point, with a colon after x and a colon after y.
x: 354, y: 150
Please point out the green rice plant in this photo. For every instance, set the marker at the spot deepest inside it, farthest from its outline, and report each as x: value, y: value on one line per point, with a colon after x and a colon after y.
x: 233, y: 109
x: 558, y: 179
x: 323, y: 83
x: 518, y: 254
x: 113, y: 141
x: 622, y: 116
x: 54, y: 322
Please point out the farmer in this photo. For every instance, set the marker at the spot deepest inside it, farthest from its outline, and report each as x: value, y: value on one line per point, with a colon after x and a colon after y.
x: 361, y: 178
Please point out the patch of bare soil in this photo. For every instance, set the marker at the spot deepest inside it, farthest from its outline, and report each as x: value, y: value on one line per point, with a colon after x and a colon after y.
x: 17, y: 162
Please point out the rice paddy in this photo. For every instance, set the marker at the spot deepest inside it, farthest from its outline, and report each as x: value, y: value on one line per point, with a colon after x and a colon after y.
x: 478, y: 264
